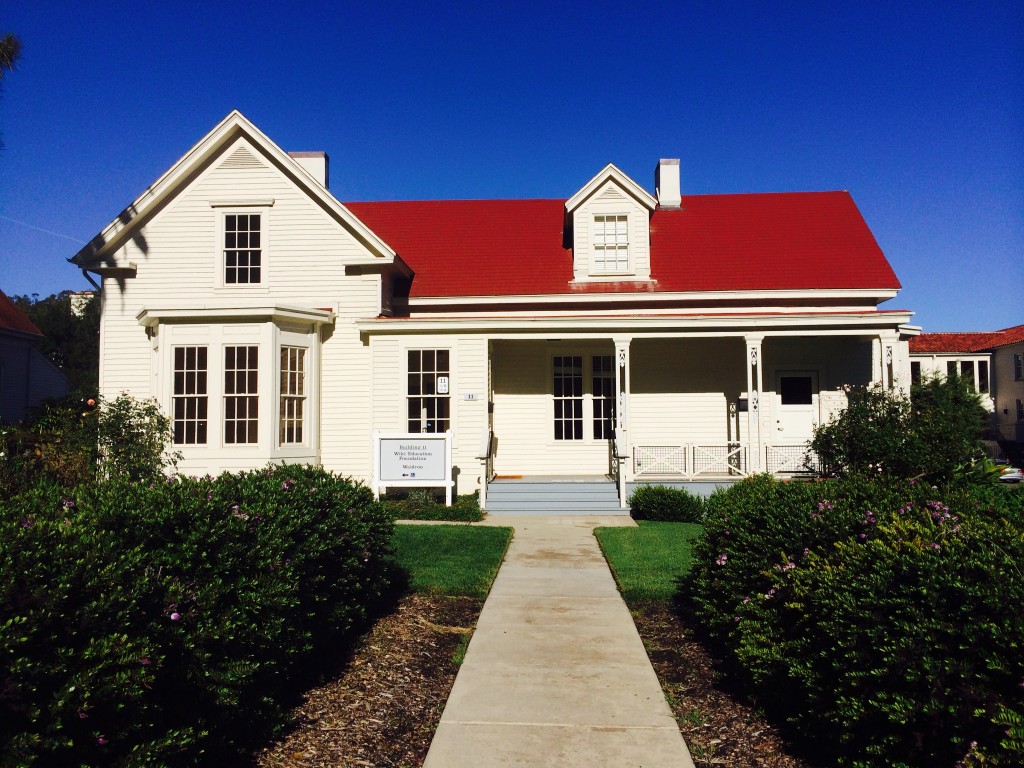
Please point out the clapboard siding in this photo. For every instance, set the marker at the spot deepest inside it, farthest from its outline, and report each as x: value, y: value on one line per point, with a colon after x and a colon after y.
x: 177, y: 253
x: 681, y: 390
x: 524, y: 414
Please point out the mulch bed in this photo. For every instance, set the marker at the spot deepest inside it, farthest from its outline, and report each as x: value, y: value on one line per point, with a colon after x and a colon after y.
x: 383, y: 709
x: 720, y: 728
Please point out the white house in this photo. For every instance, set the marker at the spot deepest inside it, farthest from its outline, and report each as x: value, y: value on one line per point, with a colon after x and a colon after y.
x: 993, y: 361
x: 613, y: 334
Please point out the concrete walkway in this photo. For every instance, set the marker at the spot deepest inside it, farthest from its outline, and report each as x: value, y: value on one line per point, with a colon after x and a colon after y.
x: 556, y: 674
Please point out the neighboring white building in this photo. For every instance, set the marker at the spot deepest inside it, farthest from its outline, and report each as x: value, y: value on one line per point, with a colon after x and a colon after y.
x: 709, y: 333
x: 993, y: 361
x: 27, y: 378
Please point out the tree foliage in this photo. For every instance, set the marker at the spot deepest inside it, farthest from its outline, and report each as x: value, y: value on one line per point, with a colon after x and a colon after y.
x: 72, y: 341
x: 935, y: 433
x: 10, y: 52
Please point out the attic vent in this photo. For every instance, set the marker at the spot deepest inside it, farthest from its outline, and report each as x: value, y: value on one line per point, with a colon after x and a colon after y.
x: 242, y: 158
x: 612, y: 193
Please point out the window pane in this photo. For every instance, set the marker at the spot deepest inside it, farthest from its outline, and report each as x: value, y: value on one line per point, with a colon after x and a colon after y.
x: 795, y: 390
x: 188, y: 405
x: 241, y: 405
x: 425, y: 367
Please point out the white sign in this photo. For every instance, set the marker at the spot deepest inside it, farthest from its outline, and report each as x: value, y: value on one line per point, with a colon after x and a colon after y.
x: 412, y: 460
x: 442, y: 385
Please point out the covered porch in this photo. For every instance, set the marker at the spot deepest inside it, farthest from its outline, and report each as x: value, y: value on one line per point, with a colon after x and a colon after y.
x: 698, y: 409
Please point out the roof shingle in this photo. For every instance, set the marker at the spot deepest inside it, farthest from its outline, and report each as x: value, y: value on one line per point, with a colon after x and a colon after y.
x: 749, y: 242
x: 13, y: 319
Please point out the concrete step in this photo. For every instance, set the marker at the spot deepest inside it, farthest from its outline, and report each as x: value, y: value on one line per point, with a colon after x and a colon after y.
x: 531, y: 497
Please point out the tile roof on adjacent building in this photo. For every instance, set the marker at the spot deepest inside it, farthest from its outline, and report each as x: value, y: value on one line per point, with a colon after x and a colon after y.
x: 950, y: 343
x: 736, y: 242
x: 13, y: 319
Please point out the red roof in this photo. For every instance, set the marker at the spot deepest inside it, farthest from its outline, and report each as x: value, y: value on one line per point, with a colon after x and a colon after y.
x: 801, y: 240
x: 950, y: 343
x: 13, y: 319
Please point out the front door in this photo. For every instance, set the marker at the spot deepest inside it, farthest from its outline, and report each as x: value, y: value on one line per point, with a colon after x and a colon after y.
x: 796, y: 413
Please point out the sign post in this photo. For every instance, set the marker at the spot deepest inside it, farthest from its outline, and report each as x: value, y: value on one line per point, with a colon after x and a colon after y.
x: 412, y: 460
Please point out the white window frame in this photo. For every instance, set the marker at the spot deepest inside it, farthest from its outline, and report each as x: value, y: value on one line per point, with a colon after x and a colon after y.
x: 559, y: 402
x: 245, y: 389
x: 406, y: 418
x: 622, y: 261
x: 599, y: 400
x: 268, y: 336
x: 224, y: 210
x: 588, y: 399
x: 293, y: 406
x: 184, y: 397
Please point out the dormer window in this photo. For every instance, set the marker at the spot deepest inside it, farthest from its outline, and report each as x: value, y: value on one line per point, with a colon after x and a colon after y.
x: 611, y: 244
x: 609, y: 219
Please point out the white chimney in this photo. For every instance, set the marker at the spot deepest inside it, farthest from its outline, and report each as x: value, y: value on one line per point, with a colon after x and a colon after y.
x: 314, y: 163
x: 666, y: 183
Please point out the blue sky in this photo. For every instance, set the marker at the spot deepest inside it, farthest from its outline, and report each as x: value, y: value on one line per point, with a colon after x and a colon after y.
x: 916, y: 108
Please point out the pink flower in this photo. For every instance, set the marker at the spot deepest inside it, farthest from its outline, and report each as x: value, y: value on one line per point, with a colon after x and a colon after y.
x: 721, y: 559
x: 144, y: 661
x: 101, y: 740
x: 175, y: 616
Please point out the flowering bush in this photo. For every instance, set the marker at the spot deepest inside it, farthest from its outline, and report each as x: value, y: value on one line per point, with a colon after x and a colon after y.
x: 154, y: 623
x: 885, y: 620
x: 72, y: 441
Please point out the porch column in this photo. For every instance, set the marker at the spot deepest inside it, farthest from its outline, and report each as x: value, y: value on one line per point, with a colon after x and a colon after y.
x: 883, y: 359
x: 890, y: 362
x: 622, y: 389
x: 754, y: 364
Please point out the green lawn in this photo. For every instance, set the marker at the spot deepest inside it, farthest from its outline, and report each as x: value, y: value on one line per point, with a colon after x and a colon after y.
x: 648, y: 560
x: 451, y: 559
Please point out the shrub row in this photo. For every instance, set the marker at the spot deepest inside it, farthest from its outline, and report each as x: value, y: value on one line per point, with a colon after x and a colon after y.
x: 163, y: 623
x: 886, y: 620
x: 665, y: 503
x: 425, y: 505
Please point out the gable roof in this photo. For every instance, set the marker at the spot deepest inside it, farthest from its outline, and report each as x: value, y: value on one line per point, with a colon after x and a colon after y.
x: 963, y: 342
x: 13, y: 319
x: 100, y: 249
x: 611, y: 173
x: 750, y: 242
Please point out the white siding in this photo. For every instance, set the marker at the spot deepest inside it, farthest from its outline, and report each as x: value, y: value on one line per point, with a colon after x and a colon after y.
x: 178, y: 256
x: 681, y: 391
x: 524, y: 414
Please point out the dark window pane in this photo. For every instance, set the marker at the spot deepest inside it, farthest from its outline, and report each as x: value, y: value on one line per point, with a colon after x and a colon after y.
x: 795, y: 390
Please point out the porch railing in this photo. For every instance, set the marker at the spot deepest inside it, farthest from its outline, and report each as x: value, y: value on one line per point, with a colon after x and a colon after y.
x: 707, y: 460
x: 790, y: 459
x: 691, y: 460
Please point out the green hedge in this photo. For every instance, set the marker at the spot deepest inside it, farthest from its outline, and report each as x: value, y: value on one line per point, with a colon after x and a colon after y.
x: 885, y: 620
x: 163, y: 623
x: 666, y: 504
x: 428, y: 505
